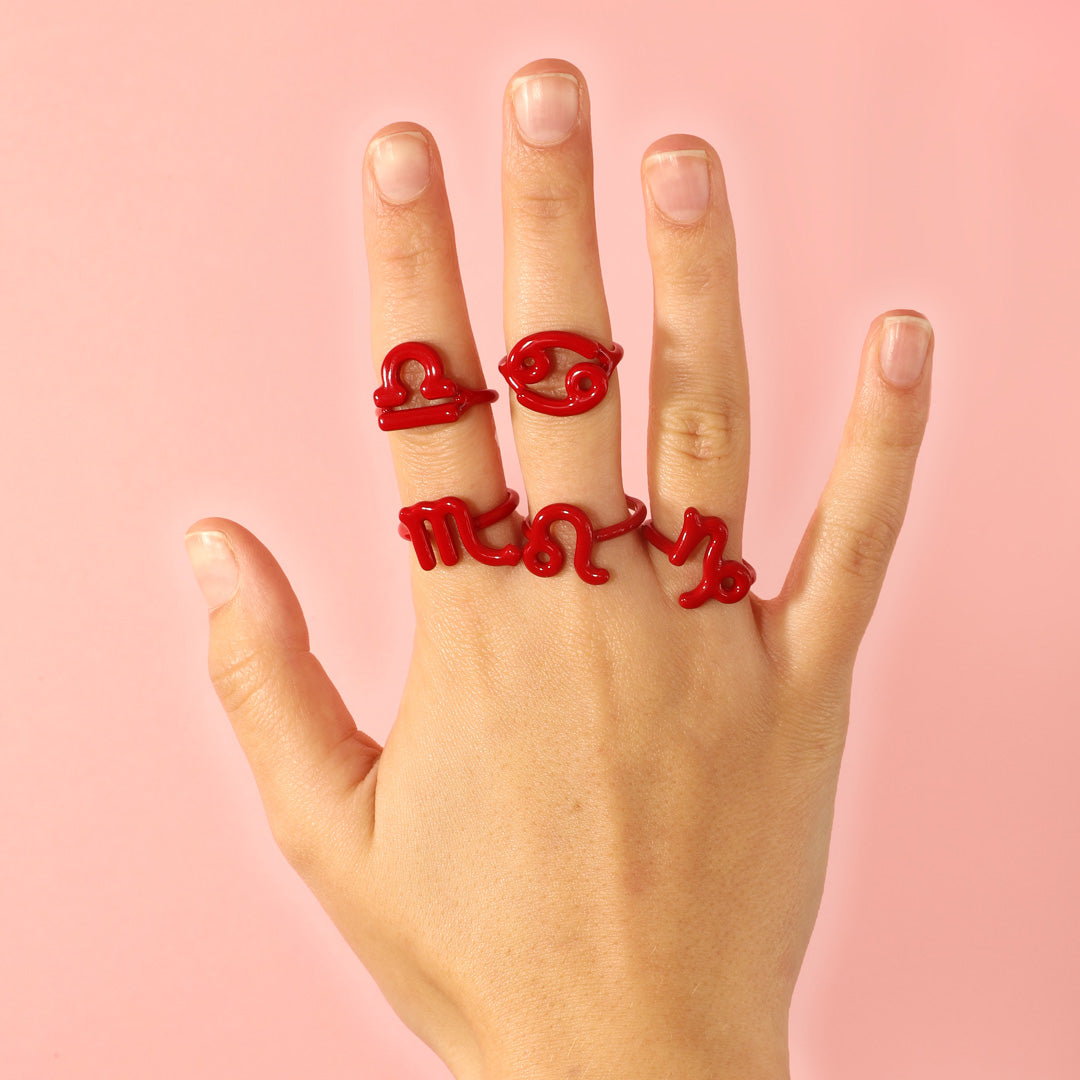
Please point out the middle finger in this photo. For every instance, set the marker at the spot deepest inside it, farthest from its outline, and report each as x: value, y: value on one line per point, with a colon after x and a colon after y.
x: 552, y: 281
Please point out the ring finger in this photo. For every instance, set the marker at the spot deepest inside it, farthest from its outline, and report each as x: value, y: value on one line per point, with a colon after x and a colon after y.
x: 699, y: 407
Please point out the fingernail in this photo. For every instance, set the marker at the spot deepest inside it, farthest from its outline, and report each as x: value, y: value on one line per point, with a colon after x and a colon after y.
x: 215, y: 566
x: 546, y: 106
x: 905, y: 341
x: 402, y: 165
x: 679, y: 183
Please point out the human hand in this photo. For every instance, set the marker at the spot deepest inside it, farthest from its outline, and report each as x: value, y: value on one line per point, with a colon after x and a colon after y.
x: 595, y: 841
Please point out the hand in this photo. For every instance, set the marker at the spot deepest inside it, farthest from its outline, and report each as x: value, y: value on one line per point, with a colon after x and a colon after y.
x: 595, y: 841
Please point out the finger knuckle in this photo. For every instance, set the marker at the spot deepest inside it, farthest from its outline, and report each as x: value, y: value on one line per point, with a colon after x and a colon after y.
x: 543, y: 204
x: 699, y: 433
x: 410, y: 257
x: 865, y: 544
x: 904, y: 433
x: 892, y: 428
x: 243, y: 679
x: 691, y: 271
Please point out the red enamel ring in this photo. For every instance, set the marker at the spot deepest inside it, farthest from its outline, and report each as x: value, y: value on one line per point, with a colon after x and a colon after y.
x: 726, y: 580
x: 542, y: 554
x: 438, y: 514
x: 393, y: 393
x: 586, y: 382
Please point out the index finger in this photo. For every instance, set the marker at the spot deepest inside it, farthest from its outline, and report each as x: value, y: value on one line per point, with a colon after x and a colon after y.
x: 417, y: 296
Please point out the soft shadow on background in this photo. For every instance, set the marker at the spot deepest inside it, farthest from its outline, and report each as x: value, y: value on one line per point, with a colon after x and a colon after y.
x: 183, y: 333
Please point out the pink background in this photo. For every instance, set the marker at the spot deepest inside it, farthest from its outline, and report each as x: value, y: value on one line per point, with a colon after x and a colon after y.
x: 183, y: 332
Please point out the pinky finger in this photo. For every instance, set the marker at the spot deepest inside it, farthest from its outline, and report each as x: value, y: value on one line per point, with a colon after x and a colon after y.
x: 822, y: 612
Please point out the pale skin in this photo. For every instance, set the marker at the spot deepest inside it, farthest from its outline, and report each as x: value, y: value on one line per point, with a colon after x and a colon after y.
x: 603, y: 858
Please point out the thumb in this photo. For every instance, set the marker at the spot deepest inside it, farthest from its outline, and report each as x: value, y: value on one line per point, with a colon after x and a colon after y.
x: 309, y: 760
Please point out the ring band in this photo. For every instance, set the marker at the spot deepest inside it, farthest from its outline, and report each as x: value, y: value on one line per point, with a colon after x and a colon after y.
x: 544, y: 557
x: 586, y: 382
x: 424, y: 522
x: 715, y: 568
x: 439, y: 513
x: 393, y: 392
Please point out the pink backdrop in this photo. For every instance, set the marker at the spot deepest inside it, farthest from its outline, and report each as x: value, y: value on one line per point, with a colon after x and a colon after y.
x: 183, y: 332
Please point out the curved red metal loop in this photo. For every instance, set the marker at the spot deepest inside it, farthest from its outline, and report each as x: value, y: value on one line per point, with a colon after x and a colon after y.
x: 586, y: 383
x: 438, y: 514
x: 393, y: 392
x: 715, y: 568
x: 542, y: 554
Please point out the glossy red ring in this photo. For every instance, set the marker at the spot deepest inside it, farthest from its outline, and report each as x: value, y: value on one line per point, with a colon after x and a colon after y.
x: 544, y: 557
x: 393, y: 392
x: 715, y: 568
x: 586, y: 382
x: 439, y: 513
